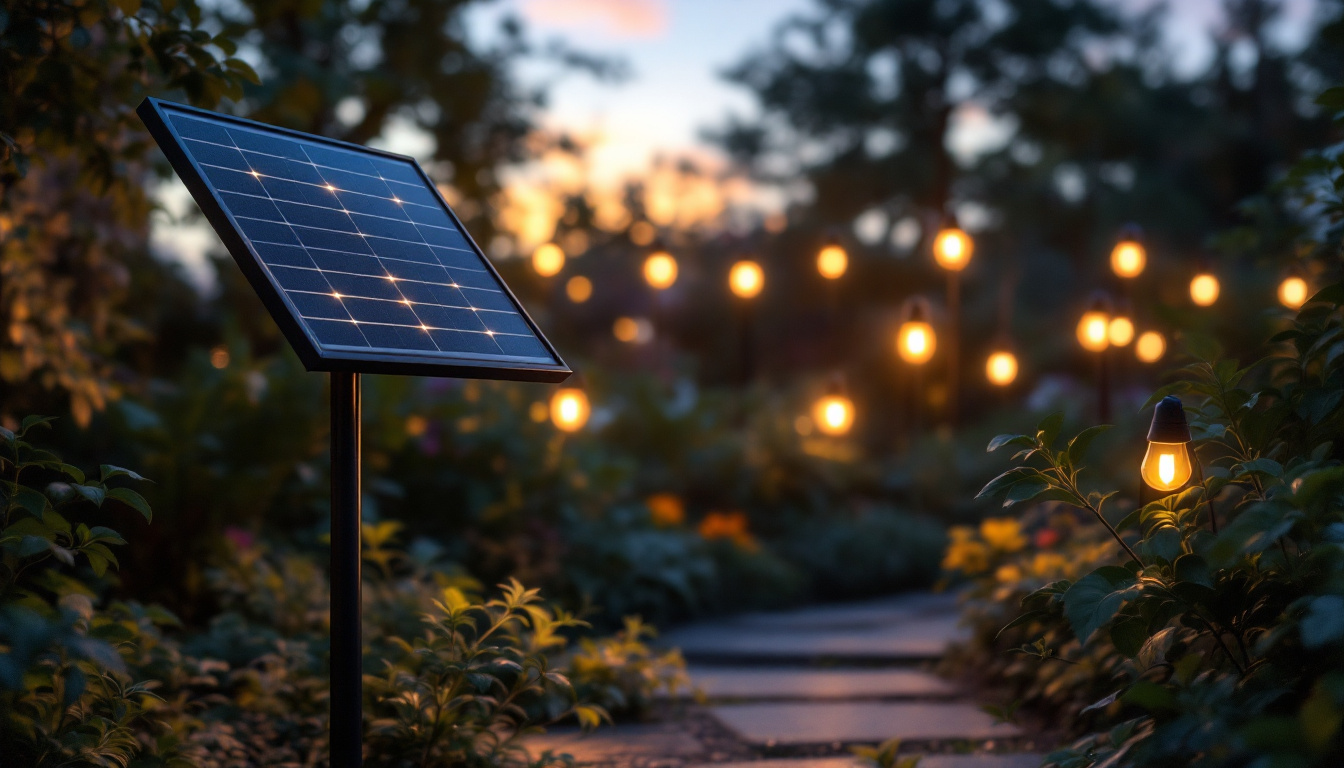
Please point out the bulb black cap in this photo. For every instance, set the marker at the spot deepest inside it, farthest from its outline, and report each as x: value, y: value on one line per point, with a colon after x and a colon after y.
x: 1169, y: 424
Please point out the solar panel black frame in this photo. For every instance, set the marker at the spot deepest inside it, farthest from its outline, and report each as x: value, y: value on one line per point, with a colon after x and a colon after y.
x: 155, y: 114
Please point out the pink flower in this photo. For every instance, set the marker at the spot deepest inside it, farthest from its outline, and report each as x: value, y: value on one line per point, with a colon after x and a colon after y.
x: 240, y: 538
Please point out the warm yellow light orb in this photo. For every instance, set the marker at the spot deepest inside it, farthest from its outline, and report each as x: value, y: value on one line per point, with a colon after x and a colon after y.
x: 1204, y: 289
x: 1120, y: 331
x: 1150, y: 347
x: 660, y: 270
x: 915, y: 342
x: 1094, y: 331
x: 1293, y: 292
x: 832, y: 262
x: 952, y: 249
x: 579, y: 289
x: 746, y: 279
x: 625, y: 329
x: 1001, y: 368
x: 569, y: 409
x: 1128, y: 258
x: 1166, y: 466
x: 833, y: 414
x: 548, y: 259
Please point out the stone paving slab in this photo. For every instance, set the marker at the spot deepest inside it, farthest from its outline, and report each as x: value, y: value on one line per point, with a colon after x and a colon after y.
x: 1025, y: 760
x: 766, y: 683
x: 917, y: 639
x: 850, y: 722
x: 618, y: 742
x: 868, y: 613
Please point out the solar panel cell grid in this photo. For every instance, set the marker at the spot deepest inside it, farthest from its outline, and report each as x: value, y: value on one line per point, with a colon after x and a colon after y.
x: 365, y: 254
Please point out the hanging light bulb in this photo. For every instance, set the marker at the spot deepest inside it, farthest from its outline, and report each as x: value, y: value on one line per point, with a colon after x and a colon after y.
x: 660, y: 270
x: 569, y: 409
x: 1204, y: 289
x: 1001, y: 368
x: 1150, y: 347
x: 1129, y: 257
x: 832, y: 260
x: 952, y: 247
x: 833, y: 414
x: 915, y: 340
x: 548, y: 259
x: 746, y: 279
x: 1094, y: 328
x: 1293, y: 292
x: 1166, y: 465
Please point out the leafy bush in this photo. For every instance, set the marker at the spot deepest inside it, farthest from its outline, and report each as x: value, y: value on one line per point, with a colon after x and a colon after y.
x: 1214, y: 635
x: 67, y: 689
x: 460, y: 695
x: 622, y: 674
x: 86, y: 680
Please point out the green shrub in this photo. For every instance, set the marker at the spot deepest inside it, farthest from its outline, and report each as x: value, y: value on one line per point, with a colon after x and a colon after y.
x: 622, y: 674
x: 452, y: 680
x: 459, y: 696
x: 68, y: 692
x: 1205, y: 628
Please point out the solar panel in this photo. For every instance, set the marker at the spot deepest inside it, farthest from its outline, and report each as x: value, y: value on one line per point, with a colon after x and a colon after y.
x: 354, y: 252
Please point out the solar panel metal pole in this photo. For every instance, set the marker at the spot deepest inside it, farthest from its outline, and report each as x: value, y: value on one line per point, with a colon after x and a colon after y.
x: 347, y: 717
x: 365, y: 269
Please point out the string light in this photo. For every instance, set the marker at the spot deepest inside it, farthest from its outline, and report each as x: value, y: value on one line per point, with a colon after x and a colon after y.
x: 660, y: 270
x: 548, y: 259
x: 1293, y: 292
x: 1150, y: 347
x: 832, y: 261
x: 1204, y: 289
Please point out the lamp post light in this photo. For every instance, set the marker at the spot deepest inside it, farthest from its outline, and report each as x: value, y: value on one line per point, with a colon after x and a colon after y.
x: 746, y: 279
x: 952, y: 249
x: 548, y: 259
x: 1001, y: 368
x: 660, y: 272
x: 833, y: 413
x: 1293, y: 292
x: 1094, y: 336
x: 916, y: 341
x: 915, y: 344
x: 1129, y: 257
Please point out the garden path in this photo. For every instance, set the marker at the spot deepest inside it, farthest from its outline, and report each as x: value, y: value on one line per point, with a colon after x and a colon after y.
x: 796, y: 689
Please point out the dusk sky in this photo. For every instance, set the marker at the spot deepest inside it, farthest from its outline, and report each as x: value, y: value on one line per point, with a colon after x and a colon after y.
x: 676, y: 51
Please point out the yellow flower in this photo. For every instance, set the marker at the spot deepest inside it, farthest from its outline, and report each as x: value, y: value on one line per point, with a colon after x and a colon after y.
x: 666, y: 509
x: 969, y: 557
x: 1003, y: 534
x: 1048, y: 565
x: 1008, y: 574
x: 961, y: 533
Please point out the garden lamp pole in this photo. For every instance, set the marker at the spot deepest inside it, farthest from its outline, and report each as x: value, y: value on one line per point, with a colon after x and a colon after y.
x: 347, y: 674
